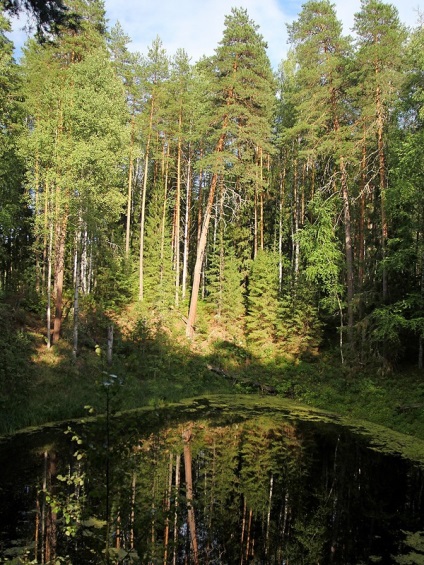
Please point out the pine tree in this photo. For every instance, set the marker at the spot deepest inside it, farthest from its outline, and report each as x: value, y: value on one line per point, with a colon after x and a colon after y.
x: 378, y: 59
x: 241, y: 97
x: 323, y: 109
x: 49, y: 16
x: 154, y: 70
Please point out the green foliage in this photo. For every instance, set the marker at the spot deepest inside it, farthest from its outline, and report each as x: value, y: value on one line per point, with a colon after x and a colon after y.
x: 321, y: 249
x: 226, y: 291
x: 415, y: 543
x: 114, y: 282
x: 15, y: 353
x: 300, y: 327
x: 159, y: 277
x: 262, y: 301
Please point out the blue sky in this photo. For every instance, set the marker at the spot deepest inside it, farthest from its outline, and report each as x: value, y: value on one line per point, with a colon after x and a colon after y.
x: 196, y: 25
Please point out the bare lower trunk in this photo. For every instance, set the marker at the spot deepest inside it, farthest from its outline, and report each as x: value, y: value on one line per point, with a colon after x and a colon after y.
x: 201, y: 247
x: 186, y: 232
x: 59, y: 277
x: 49, y: 289
x: 143, y: 205
x: 129, y: 197
x: 348, y: 250
x: 296, y: 254
x: 76, y: 301
x: 109, y: 344
x: 382, y: 175
x: 280, y: 231
x: 177, y: 219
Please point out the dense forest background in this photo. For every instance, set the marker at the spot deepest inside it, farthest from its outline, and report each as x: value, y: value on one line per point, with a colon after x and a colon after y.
x: 282, y: 212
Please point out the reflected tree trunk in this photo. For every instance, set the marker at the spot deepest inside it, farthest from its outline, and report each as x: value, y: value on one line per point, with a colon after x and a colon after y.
x: 268, y: 519
x: 132, y: 515
x: 189, y: 494
x: 167, y: 510
x: 177, y: 489
x: 50, y: 533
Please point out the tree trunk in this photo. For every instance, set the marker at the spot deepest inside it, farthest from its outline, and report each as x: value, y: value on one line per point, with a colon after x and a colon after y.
x: 261, y: 200
x: 167, y: 510
x: 201, y: 246
x: 76, y: 299
x: 109, y: 344
x: 59, y: 275
x: 189, y: 494
x: 49, y: 288
x: 348, y: 249
x: 186, y: 231
x: 129, y: 197
x: 280, y: 229
x: 164, y: 210
x: 177, y: 490
x: 177, y: 215
x: 143, y: 205
x: 296, y: 254
x: 50, y: 519
x: 382, y: 175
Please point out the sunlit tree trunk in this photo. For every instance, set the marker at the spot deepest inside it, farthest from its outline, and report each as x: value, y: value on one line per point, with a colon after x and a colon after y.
x: 61, y: 228
x: 186, y: 231
x: 130, y: 183
x: 49, y: 287
x: 201, y: 247
x: 280, y: 227
x: 143, y: 204
x: 76, y: 297
x: 178, y: 213
x: 165, y: 167
x: 296, y: 245
x: 348, y: 248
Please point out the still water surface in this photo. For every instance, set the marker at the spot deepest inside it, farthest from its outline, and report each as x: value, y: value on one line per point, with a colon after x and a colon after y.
x: 212, y: 482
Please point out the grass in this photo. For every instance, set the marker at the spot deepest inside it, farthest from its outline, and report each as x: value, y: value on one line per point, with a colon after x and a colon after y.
x: 157, y: 367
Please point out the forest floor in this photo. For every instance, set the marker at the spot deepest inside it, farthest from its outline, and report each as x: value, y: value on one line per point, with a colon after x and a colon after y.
x: 156, y: 366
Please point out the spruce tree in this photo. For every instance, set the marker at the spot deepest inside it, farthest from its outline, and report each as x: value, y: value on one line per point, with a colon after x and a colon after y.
x: 263, y: 300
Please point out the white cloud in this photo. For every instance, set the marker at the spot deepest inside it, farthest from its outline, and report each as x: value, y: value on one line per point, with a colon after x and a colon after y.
x: 197, y: 25
x: 194, y: 25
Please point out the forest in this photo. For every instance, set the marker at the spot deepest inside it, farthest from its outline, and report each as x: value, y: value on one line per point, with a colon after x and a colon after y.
x: 156, y: 209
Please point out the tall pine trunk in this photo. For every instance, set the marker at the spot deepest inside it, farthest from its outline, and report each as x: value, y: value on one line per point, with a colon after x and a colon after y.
x: 201, y: 246
x: 143, y: 205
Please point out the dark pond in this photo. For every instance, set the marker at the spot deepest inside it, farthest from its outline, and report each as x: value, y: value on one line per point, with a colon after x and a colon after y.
x: 211, y: 483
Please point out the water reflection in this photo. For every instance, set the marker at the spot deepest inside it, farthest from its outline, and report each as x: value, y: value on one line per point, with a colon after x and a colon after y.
x: 255, y: 489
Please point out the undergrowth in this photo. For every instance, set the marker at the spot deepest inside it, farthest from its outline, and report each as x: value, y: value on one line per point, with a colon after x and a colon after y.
x: 157, y: 366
